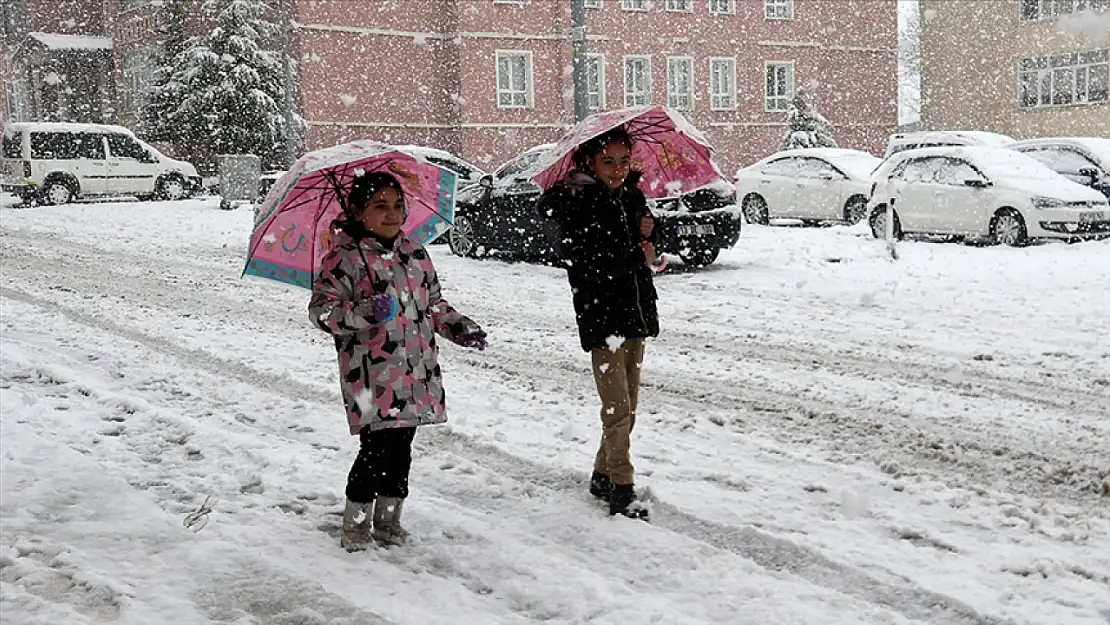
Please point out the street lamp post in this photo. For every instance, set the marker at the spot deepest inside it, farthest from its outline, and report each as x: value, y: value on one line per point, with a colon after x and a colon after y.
x: 578, y: 52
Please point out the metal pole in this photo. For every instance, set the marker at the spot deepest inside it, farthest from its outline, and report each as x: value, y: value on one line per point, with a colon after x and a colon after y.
x: 578, y: 52
x: 286, y: 44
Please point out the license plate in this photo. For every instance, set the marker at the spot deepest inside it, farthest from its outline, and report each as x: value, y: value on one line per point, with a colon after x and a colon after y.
x: 1086, y: 218
x: 696, y: 230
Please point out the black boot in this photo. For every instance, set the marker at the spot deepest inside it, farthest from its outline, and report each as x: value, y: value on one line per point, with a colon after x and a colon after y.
x: 622, y: 500
x: 600, y: 486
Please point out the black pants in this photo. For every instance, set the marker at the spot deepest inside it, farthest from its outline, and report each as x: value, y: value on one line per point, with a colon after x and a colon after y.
x: 382, y: 465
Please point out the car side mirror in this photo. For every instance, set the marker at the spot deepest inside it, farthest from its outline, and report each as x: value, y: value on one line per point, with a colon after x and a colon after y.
x: 486, y: 181
x: 1094, y: 174
x: 977, y: 183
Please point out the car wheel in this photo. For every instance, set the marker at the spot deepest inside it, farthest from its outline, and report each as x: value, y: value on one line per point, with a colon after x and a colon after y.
x: 755, y: 210
x: 56, y: 192
x: 1008, y: 228
x: 878, y: 223
x: 855, y: 210
x: 172, y: 188
x: 700, y: 258
x: 461, y: 238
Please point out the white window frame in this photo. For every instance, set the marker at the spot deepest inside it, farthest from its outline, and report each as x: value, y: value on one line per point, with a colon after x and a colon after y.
x: 768, y: 98
x: 529, y: 84
x: 715, y: 98
x: 600, y: 59
x: 672, y: 95
x: 1045, y: 75
x: 138, y: 76
x: 1033, y: 10
x: 592, y: 4
x: 635, y: 5
x: 672, y: 6
x: 647, y: 86
x: 516, y: 2
x: 715, y: 7
x: 778, y: 9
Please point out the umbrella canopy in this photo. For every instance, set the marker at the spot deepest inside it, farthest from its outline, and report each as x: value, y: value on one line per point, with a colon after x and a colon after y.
x: 293, y: 229
x: 670, y: 153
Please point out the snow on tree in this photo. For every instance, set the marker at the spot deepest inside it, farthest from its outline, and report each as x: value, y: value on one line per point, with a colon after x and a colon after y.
x: 806, y: 128
x: 223, y: 92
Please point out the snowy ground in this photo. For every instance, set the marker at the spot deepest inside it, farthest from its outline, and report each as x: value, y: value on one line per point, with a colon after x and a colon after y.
x: 831, y: 437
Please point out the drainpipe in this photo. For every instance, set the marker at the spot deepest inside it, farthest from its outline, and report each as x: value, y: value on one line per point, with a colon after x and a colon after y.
x: 287, y: 75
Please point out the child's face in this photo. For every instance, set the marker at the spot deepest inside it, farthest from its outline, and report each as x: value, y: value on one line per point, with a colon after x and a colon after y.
x: 384, y: 213
x: 612, y: 164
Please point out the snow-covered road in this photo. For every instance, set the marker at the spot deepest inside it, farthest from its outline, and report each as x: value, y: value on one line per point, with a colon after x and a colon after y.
x: 831, y: 436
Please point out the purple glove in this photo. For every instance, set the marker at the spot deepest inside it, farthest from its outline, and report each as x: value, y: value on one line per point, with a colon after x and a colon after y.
x: 475, y: 339
x: 384, y: 307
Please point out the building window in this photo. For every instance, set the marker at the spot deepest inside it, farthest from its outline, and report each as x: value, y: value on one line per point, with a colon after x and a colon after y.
x: 514, y: 79
x: 722, y: 7
x: 138, y: 71
x: 634, y: 5
x: 592, y: 4
x: 779, y: 88
x: 1065, y: 79
x: 778, y: 9
x: 680, y: 83
x: 127, y: 5
x: 722, y: 84
x: 637, y: 80
x: 1040, y: 9
x: 682, y: 6
x: 518, y: 2
x: 595, y: 82
x: 19, y: 100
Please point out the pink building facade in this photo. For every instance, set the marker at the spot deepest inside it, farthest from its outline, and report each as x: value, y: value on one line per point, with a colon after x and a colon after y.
x: 488, y: 79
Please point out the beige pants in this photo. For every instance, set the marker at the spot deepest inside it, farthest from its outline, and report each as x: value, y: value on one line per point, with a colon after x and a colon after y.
x: 617, y: 374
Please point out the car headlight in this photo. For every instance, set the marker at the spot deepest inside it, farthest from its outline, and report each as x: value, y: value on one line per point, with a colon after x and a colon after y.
x: 1047, y: 202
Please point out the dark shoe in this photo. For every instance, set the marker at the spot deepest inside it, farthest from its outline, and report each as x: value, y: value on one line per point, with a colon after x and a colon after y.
x: 622, y: 500
x: 600, y: 486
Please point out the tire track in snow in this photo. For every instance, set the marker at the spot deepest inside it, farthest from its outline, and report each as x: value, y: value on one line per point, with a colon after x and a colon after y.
x: 1025, y: 460
x: 770, y: 552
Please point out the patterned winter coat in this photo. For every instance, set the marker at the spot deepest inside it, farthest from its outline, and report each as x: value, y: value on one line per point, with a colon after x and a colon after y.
x: 388, y: 372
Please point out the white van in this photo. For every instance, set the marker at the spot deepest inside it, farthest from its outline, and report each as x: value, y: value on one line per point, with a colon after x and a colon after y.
x: 56, y: 163
x: 943, y: 138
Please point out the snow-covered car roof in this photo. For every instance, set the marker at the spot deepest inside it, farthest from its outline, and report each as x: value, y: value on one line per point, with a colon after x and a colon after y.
x: 982, y: 137
x: 1098, y: 147
x: 423, y: 150
x: 996, y: 163
x: 64, y: 127
x: 855, y: 163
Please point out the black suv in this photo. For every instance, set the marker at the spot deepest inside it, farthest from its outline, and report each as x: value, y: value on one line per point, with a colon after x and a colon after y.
x: 500, y: 217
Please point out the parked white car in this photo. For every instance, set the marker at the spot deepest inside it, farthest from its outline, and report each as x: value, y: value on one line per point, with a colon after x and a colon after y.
x: 811, y: 184
x: 902, y: 141
x: 57, y: 163
x: 1085, y: 160
x: 983, y: 192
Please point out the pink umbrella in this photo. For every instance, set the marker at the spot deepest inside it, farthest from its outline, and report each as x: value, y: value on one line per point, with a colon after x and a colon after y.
x: 292, y: 231
x: 672, y: 156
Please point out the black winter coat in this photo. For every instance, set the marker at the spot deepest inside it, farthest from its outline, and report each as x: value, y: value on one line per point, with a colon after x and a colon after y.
x: 599, y: 243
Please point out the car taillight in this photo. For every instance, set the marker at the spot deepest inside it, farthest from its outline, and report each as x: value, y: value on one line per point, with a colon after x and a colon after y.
x: 873, y: 186
x: 26, y: 169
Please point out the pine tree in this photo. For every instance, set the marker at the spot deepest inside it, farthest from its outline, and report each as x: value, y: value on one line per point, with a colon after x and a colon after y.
x: 223, y: 92
x: 165, y: 95
x: 806, y: 128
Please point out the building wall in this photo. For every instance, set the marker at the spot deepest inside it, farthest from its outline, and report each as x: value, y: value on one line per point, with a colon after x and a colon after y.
x: 970, y: 79
x: 836, y: 46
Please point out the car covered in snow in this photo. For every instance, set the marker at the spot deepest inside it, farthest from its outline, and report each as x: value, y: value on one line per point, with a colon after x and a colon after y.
x: 501, y: 217
x: 56, y: 163
x: 1085, y: 160
x: 982, y: 192
x: 901, y: 141
x: 468, y: 173
x: 811, y: 184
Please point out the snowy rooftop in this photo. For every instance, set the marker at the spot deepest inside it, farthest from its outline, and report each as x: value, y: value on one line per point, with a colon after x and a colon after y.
x: 57, y: 41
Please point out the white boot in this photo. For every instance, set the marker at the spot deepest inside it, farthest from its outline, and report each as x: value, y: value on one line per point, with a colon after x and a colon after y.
x: 387, y: 521
x: 356, y: 534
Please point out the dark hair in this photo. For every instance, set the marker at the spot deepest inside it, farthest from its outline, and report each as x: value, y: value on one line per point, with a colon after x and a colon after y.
x: 365, y: 186
x: 593, y: 147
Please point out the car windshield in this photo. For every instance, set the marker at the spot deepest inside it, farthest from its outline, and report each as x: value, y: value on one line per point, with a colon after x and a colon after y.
x: 1008, y: 164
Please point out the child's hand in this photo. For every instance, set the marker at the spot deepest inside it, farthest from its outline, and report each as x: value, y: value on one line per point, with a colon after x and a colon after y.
x: 647, y: 224
x: 475, y: 339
